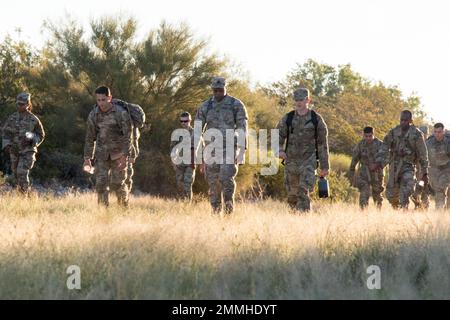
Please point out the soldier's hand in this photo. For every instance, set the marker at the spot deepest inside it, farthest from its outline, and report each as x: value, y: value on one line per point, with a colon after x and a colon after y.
x: 324, y: 172
x: 123, y: 162
x: 282, y: 155
x: 131, y: 160
x: 203, y: 168
x: 87, y: 162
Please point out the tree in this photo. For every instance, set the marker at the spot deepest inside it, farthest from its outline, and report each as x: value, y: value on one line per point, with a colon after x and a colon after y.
x: 166, y: 73
x: 346, y: 100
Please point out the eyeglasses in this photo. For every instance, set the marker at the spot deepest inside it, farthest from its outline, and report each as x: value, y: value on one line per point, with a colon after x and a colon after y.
x: 22, y: 104
x: 184, y: 121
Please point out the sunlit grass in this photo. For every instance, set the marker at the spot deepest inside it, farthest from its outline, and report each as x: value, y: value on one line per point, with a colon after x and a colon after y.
x: 164, y: 249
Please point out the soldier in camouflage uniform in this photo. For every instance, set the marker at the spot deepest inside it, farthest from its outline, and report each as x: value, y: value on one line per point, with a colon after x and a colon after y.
x: 421, y: 195
x: 306, y: 142
x: 185, y: 172
x: 438, y: 146
x: 223, y: 112
x: 108, y: 141
x: 22, y: 135
x: 370, y: 177
x: 402, y: 147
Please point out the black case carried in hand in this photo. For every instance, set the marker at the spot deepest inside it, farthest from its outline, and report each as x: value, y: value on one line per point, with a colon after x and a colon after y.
x: 323, y: 187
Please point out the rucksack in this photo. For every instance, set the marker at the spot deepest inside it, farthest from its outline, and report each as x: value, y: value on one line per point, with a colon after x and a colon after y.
x: 290, y: 129
x: 135, y: 111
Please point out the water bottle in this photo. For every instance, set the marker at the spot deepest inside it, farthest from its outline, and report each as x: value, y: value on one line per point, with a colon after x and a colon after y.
x: 323, y: 187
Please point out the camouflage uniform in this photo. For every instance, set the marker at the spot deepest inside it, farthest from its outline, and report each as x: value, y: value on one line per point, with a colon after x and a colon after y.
x: 301, y: 162
x: 421, y: 195
x: 134, y: 154
x: 368, y: 181
x: 439, y: 156
x: 229, y: 113
x: 22, y: 150
x: 402, y: 150
x: 185, y: 173
x: 108, y: 137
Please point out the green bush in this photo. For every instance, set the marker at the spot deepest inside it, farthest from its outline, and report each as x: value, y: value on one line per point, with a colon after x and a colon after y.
x: 340, y: 163
x: 340, y: 187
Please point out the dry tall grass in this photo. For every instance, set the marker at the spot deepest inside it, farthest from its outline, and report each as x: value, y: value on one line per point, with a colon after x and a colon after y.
x: 161, y: 249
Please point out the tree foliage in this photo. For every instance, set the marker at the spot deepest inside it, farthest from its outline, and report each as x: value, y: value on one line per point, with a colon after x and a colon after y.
x: 167, y: 72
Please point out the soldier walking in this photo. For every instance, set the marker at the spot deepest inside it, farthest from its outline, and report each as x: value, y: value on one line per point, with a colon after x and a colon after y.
x: 185, y: 172
x: 402, y: 147
x: 223, y: 113
x: 304, y: 133
x: 438, y: 146
x: 370, y: 176
x: 109, y: 142
x: 23, y: 133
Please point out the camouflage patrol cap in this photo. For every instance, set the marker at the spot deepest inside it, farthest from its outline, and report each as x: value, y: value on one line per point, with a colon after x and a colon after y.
x: 185, y: 114
x: 424, y: 129
x: 218, y: 83
x: 301, y: 94
x: 23, y: 97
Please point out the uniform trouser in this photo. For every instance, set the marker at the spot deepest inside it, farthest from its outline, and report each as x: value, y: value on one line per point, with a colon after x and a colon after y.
x: 185, y: 176
x: 370, y: 186
x: 129, y: 179
x: 21, y: 164
x: 440, y: 182
x: 299, y: 180
x: 109, y: 177
x: 221, y: 180
x: 399, y: 190
x: 421, y: 196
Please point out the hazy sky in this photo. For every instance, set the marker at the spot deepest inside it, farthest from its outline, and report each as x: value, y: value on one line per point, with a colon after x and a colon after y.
x: 404, y: 43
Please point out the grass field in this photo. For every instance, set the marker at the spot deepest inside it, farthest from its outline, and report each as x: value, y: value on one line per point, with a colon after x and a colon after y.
x: 163, y: 249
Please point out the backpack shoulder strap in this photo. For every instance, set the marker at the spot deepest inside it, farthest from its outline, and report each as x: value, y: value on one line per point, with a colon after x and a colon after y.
x: 124, y: 105
x: 314, y: 119
x: 290, y: 117
x: 315, y: 122
x: 290, y: 129
x: 117, y: 109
